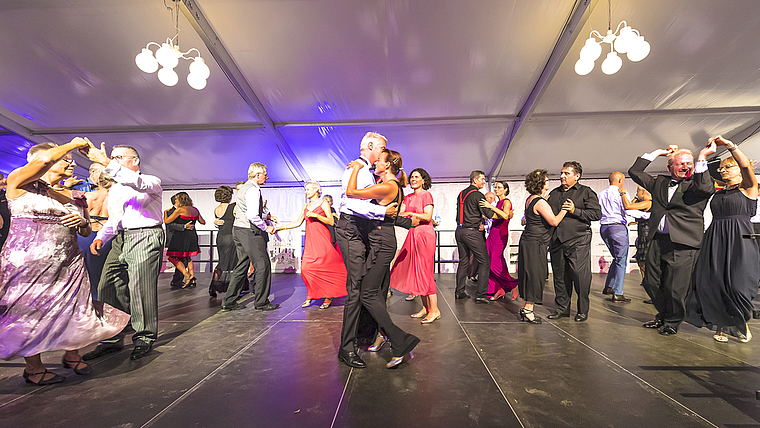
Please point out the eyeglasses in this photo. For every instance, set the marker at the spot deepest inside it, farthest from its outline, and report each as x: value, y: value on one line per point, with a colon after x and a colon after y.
x: 67, y: 160
x: 724, y: 168
x: 119, y: 158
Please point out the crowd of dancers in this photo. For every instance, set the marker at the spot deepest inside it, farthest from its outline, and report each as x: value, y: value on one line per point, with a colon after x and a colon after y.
x: 50, y: 299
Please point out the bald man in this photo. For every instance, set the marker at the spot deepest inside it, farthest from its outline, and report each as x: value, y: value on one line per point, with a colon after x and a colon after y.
x: 614, y: 232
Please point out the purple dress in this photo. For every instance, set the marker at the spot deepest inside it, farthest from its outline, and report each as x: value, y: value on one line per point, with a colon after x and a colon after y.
x: 45, y: 301
x: 496, y: 243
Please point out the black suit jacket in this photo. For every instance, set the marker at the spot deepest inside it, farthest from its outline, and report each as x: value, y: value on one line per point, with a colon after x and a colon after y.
x: 685, y: 211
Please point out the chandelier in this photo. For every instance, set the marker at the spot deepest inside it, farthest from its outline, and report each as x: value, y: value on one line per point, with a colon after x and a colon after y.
x: 168, y: 55
x: 624, y: 40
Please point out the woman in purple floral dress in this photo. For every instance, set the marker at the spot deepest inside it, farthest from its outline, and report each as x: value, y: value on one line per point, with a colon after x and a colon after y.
x: 45, y: 301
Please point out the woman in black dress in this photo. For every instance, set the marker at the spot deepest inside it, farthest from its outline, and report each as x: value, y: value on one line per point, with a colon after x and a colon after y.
x: 639, y: 208
x: 224, y: 215
x: 184, y: 244
x: 727, y: 270
x: 532, y: 266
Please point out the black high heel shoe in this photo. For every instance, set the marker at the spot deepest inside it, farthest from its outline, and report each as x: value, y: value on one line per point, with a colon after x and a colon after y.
x: 524, y: 316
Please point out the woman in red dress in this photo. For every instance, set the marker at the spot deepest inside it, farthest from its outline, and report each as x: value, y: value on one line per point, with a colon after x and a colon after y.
x: 322, y: 267
x: 413, y: 270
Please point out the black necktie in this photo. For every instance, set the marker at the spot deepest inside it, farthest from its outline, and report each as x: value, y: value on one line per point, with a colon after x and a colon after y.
x: 673, y: 183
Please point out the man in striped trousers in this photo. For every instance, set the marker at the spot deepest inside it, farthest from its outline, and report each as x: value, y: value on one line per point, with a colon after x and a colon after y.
x: 129, y: 280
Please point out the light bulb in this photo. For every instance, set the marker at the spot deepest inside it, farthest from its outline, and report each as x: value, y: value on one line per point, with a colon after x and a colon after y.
x: 584, y: 66
x: 611, y: 65
x: 199, y: 68
x: 639, y: 49
x: 167, y: 56
x: 625, y: 40
x: 591, y: 50
x: 146, y: 62
x: 196, y: 81
x: 167, y: 76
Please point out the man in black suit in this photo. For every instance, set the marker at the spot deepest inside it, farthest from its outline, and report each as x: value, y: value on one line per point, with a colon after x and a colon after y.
x: 570, y: 244
x: 676, y: 229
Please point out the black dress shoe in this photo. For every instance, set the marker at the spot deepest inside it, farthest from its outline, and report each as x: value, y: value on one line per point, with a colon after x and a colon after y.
x: 233, y: 307
x: 619, y: 298
x: 100, y: 350
x: 668, y: 330
x: 558, y: 315
x: 657, y: 323
x: 351, y: 359
x: 268, y: 307
x: 580, y: 317
x: 483, y: 301
x: 141, y: 350
x: 607, y: 290
x: 461, y: 296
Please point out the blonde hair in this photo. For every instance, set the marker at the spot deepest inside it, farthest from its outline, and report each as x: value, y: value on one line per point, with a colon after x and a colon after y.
x: 372, y: 136
x: 316, y: 185
x: 256, y: 168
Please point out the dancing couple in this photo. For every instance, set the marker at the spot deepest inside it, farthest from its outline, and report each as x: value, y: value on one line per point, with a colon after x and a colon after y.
x: 367, y: 241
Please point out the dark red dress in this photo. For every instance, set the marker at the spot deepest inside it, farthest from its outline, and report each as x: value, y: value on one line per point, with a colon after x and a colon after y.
x: 184, y: 243
x: 496, y: 243
x: 322, y: 267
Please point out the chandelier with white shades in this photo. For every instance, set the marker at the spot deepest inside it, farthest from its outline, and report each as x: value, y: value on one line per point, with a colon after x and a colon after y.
x: 624, y: 40
x: 168, y: 55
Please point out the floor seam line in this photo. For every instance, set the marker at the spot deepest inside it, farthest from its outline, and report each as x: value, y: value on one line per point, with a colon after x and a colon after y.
x: 213, y: 372
x: 343, y: 394
x: 634, y: 375
x: 483, y: 361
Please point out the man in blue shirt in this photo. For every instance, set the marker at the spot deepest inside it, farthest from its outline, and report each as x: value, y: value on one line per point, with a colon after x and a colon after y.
x: 614, y: 232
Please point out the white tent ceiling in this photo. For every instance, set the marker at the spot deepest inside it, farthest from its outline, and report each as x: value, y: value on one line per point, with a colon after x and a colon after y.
x: 455, y: 85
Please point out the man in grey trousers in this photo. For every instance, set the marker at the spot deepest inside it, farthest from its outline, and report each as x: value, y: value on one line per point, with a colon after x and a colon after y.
x: 129, y: 281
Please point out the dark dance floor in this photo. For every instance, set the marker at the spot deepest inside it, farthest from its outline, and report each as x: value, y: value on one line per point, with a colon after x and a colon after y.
x: 476, y: 366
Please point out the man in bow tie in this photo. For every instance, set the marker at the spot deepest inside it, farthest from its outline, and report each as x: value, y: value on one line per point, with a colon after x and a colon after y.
x: 677, y: 219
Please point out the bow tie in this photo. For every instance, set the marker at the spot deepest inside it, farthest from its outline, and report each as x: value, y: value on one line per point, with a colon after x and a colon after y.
x: 674, y: 183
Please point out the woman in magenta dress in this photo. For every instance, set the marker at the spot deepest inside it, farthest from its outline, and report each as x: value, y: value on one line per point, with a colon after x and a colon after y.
x: 45, y: 301
x: 412, y: 271
x: 322, y: 267
x: 500, y: 281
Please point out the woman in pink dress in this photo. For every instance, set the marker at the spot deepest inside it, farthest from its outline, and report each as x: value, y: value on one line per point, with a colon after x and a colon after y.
x: 45, y: 301
x: 322, y: 267
x: 413, y: 270
x: 500, y: 281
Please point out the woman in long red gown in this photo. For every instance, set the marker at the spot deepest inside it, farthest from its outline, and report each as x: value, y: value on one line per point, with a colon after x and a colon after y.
x: 500, y: 281
x: 412, y: 271
x: 322, y: 267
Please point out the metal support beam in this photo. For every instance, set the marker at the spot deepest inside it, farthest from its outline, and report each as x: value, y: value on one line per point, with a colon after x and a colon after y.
x: 148, y: 128
x: 561, y: 48
x: 15, y: 128
x: 224, y: 59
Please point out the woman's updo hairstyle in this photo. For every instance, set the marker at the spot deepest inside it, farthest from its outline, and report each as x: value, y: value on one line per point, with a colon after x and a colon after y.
x: 397, y: 165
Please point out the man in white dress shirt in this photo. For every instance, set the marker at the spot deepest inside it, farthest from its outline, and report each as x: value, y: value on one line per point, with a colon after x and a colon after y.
x: 129, y: 281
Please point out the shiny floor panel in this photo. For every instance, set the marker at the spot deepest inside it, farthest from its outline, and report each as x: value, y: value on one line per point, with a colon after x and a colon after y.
x: 477, y: 366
